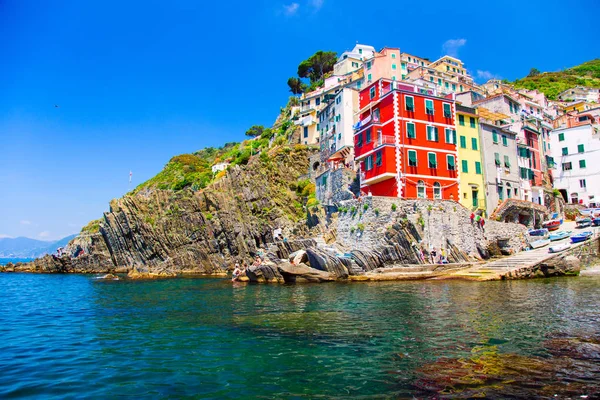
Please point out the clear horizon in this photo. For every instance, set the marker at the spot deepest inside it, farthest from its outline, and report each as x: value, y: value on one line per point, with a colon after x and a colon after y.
x: 90, y: 92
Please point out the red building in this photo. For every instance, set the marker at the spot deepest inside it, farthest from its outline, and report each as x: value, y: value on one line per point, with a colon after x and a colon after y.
x: 405, y: 142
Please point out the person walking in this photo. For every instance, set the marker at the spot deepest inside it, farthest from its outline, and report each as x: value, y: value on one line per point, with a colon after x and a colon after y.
x: 472, y: 217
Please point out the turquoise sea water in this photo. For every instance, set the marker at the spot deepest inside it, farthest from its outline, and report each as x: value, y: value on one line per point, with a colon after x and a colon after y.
x: 75, y: 336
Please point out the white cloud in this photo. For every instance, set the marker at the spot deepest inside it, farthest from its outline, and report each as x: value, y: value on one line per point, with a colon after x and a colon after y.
x: 451, y: 47
x: 291, y: 9
x: 3, y: 236
x: 25, y: 222
x: 485, y: 75
x: 44, y: 234
x: 317, y: 4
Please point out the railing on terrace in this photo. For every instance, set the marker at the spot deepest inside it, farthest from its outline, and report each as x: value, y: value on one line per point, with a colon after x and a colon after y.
x: 383, y: 140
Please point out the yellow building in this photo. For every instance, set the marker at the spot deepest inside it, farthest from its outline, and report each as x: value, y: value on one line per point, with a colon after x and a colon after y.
x: 471, y: 174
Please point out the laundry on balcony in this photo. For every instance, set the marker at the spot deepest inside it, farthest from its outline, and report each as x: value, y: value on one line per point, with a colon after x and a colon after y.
x: 362, y: 123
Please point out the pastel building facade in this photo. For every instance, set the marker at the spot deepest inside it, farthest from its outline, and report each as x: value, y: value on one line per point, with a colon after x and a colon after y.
x: 405, y: 142
x: 470, y: 164
x: 576, y: 164
x: 499, y: 149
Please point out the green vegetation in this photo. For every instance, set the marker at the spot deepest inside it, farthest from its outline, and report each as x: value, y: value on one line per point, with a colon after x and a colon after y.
x: 394, y: 206
x: 552, y: 83
x: 208, y: 216
x: 92, y: 227
x: 315, y: 68
x: 376, y: 212
x: 360, y: 227
x: 366, y: 207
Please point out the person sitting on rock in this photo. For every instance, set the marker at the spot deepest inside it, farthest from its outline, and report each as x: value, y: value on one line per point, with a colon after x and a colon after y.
x: 257, y: 262
x: 236, y: 272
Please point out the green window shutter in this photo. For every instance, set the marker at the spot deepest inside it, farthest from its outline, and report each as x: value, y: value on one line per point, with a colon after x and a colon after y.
x: 412, y: 158
x: 478, y: 167
x: 497, y: 158
x: 581, y: 163
x: 494, y: 136
x: 447, y: 110
x: 410, y: 104
x: 429, y: 107
x: 378, y: 159
x: 464, y: 166
x: 561, y: 137
x: 432, y: 160
x: 461, y: 120
x: 506, y: 162
x: 504, y: 140
x: 359, y: 140
x: 472, y: 122
x: 437, y: 134
x: 565, y: 151
x: 474, y: 143
x: 463, y: 142
x: 580, y: 148
x: 450, y: 136
x: 430, y: 133
x: 410, y: 129
x: 451, y: 162
x: 531, y: 174
x: 368, y: 136
x: 372, y: 91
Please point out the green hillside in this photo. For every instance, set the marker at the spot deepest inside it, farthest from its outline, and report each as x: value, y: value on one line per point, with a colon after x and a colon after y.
x: 552, y: 83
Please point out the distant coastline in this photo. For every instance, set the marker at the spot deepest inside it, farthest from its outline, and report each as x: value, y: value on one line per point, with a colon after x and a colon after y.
x: 4, y: 261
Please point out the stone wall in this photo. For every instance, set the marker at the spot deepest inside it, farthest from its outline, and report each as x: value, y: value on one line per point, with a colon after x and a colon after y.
x: 438, y: 224
x: 335, y: 187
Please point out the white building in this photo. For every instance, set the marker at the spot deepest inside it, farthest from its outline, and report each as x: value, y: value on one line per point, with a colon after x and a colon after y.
x: 576, y: 156
x: 219, y: 167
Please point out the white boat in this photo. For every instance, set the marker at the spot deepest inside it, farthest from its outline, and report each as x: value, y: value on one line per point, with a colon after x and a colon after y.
x: 539, y: 243
x: 557, y: 248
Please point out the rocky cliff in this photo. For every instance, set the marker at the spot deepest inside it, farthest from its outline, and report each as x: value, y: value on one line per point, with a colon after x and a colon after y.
x: 194, y: 231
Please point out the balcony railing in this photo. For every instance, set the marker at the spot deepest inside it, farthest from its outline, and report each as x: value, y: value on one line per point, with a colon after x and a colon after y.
x: 383, y: 140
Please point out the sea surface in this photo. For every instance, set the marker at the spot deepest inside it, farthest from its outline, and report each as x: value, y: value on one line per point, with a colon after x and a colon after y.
x: 74, y: 336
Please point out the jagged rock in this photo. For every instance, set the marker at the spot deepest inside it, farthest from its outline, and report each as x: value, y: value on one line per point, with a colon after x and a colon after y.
x: 109, y: 277
x: 324, y: 261
x: 264, y: 273
x: 368, y: 260
x: 302, y: 273
x: 298, y: 257
x: 136, y: 273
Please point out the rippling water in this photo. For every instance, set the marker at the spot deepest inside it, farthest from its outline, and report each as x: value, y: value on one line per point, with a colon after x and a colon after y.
x: 73, y: 335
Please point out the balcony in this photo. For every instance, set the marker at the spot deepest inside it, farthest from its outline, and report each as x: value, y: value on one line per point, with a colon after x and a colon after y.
x: 385, y: 140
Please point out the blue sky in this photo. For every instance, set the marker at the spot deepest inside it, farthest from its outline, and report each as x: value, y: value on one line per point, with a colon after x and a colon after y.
x: 139, y: 82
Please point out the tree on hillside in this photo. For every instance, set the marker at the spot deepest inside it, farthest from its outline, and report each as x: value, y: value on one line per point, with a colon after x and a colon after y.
x: 296, y: 85
x: 533, y: 72
x: 317, y: 65
x: 255, y: 130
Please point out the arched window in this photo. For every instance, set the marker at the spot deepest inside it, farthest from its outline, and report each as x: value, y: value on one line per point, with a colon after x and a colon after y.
x: 421, y: 194
x: 574, y: 198
x: 437, y: 190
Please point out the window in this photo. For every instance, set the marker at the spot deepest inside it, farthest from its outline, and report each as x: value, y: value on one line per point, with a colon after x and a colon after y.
x: 410, y: 103
x: 372, y: 92
x: 376, y: 115
x: 506, y: 162
x: 580, y: 148
x: 450, y: 136
x: 561, y: 137
x: 305, y: 132
x: 511, y: 107
x: 582, y: 183
x: 451, y: 161
x: 368, y: 136
x: 474, y: 143
x: 317, y: 101
x: 403, y: 65
x: 368, y: 64
x: 359, y: 51
x: 393, y: 77
x: 421, y: 190
x: 359, y: 138
x: 446, y: 85
x: 394, y: 66
x: 472, y: 122
x: 567, y: 166
x: 461, y: 120
x: 454, y: 87
x: 338, y: 100
x: 393, y: 55
x: 581, y: 163
x: 565, y: 151
x: 504, y: 141
x: 523, y: 173
x: 464, y: 166
x: 494, y: 136
x: 437, y: 190
x: 428, y: 107
x: 431, y: 79
x: 412, y: 158
x: 378, y: 158
x: 440, y: 81
x: 463, y: 142
x: 410, y: 130
x: 475, y: 195
x: 432, y: 159
x: 432, y: 134
x: 497, y: 159
x: 369, y: 163
x: 447, y: 110
x: 500, y: 191
x: 369, y: 77
x: 477, y: 167
x: 461, y: 88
